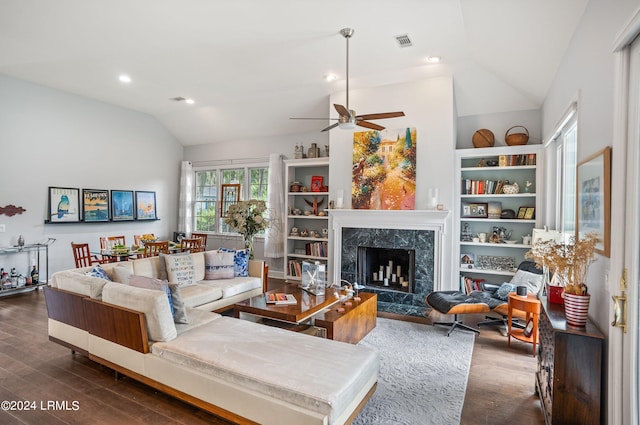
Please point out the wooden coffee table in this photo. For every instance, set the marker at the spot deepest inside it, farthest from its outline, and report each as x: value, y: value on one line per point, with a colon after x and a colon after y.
x: 357, y: 320
x: 350, y: 325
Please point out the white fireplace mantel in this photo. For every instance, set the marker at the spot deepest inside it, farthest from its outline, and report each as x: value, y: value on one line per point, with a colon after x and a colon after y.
x: 433, y: 220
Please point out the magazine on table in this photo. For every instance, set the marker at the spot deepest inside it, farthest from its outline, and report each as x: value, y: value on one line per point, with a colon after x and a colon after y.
x: 280, y: 298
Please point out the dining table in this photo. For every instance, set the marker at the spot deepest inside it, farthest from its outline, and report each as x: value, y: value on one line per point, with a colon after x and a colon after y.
x: 111, y: 255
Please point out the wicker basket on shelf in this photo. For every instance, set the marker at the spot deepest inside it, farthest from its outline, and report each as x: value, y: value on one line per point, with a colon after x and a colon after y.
x: 483, y: 138
x: 516, y: 139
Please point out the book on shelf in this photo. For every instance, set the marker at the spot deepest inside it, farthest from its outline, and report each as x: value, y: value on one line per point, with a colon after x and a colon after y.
x: 280, y: 298
x: 317, y: 249
x: 469, y: 284
x: 295, y: 268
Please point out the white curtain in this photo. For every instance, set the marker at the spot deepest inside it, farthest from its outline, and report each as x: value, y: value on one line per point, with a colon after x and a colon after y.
x: 185, y: 207
x: 274, y: 235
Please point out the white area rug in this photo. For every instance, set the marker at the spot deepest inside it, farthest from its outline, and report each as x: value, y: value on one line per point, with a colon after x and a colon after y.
x: 423, y: 374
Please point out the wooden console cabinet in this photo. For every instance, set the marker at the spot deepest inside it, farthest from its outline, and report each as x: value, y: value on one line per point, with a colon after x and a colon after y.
x: 570, y: 362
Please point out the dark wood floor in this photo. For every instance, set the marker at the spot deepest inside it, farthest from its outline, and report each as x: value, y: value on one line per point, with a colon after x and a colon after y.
x: 499, y: 391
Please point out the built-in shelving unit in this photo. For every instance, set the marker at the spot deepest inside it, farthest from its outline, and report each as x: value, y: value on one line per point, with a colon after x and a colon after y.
x: 299, y: 207
x: 482, y: 174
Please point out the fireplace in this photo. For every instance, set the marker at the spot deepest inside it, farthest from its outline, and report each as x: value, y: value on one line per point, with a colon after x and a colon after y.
x: 396, y: 231
x: 388, y: 268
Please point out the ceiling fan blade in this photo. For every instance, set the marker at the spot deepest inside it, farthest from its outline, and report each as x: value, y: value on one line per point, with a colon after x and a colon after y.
x: 381, y: 115
x: 344, y: 112
x: 330, y: 127
x: 370, y: 125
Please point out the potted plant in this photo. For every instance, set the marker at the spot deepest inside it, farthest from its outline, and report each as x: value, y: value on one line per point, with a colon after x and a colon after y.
x: 569, y: 263
x: 247, y: 218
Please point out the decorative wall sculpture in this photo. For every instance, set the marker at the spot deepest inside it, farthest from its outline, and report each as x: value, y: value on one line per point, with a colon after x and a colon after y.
x: 11, y: 210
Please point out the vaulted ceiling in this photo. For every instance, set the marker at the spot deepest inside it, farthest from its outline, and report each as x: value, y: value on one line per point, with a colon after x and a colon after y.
x: 250, y: 65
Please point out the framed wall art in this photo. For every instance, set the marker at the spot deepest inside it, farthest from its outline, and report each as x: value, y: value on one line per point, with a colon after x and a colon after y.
x: 64, y: 205
x: 122, y: 206
x: 230, y: 196
x: 593, y: 200
x: 146, y: 205
x: 95, y: 205
x: 474, y: 210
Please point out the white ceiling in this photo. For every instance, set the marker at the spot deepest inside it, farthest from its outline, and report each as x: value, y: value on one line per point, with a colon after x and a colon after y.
x: 250, y: 65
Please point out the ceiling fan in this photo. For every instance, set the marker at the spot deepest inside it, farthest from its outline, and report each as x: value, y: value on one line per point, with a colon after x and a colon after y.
x: 347, y: 118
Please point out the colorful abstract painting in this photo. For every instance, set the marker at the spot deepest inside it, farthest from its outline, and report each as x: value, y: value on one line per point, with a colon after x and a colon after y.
x: 384, y: 170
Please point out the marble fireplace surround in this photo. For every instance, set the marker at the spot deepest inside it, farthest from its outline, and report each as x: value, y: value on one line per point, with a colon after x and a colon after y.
x: 414, y: 220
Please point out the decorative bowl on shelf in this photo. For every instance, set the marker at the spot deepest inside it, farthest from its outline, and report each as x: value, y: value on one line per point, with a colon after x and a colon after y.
x: 510, y: 241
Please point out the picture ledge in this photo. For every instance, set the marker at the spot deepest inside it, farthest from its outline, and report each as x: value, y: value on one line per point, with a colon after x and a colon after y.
x: 101, y: 222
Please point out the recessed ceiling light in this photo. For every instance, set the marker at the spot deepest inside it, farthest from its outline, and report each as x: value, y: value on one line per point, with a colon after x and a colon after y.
x: 330, y: 77
x: 190, y: 101
x: 433, y: 59
x: 124, y: 78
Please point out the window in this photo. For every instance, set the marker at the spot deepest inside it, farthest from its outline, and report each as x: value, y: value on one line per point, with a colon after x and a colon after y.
x: 565, y: 141
x: 208, y: 186
x: 206, y: 200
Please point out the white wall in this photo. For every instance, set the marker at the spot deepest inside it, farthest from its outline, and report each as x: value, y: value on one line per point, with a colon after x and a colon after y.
x: 53, y: 138
x: 586, y: 73
x: 429, y: 107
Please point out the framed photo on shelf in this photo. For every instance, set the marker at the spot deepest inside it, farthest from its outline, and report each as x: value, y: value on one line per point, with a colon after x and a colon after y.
x: 122, y: 206
x: 146, y: 205
x: 64, y: 205
x: 475, y: 210
x: 594, y: 199
x: 522, y: 211
x: 230, y: 196
x: 530, y: 214
x: 316, y: 183
x: 95, y: 205
x: 467, y: 261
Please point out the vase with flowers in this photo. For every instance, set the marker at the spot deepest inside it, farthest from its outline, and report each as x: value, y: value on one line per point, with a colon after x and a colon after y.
x: 569, y: 262
x: 247, y: 218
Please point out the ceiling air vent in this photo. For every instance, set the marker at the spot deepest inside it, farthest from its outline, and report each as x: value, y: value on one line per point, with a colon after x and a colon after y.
x: 178, y: 99
x: 404, y: 40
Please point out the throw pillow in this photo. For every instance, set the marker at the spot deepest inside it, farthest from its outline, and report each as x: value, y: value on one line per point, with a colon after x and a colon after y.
x: 178, y: 309
x: 121, y: 274
x: 240, y: 261
x: 218, y: 265
x: 98, y: 271
x: 532, y: 281
x: 180, y: 268
x: 504, y: 290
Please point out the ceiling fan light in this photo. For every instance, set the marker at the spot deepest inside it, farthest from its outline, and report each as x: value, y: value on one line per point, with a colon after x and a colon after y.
x: 349, y: 125
x: 330, y: 77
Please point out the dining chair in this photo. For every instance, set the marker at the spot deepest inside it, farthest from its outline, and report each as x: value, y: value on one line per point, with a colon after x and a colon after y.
x: 202, y: 236
x: 153, y: 249
x: 191, y: 245
x: 83, y: 256
x: 108, y: 241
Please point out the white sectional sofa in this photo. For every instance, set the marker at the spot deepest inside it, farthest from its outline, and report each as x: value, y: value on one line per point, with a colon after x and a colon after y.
x: 210, y: 295
x: 237, y: 369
